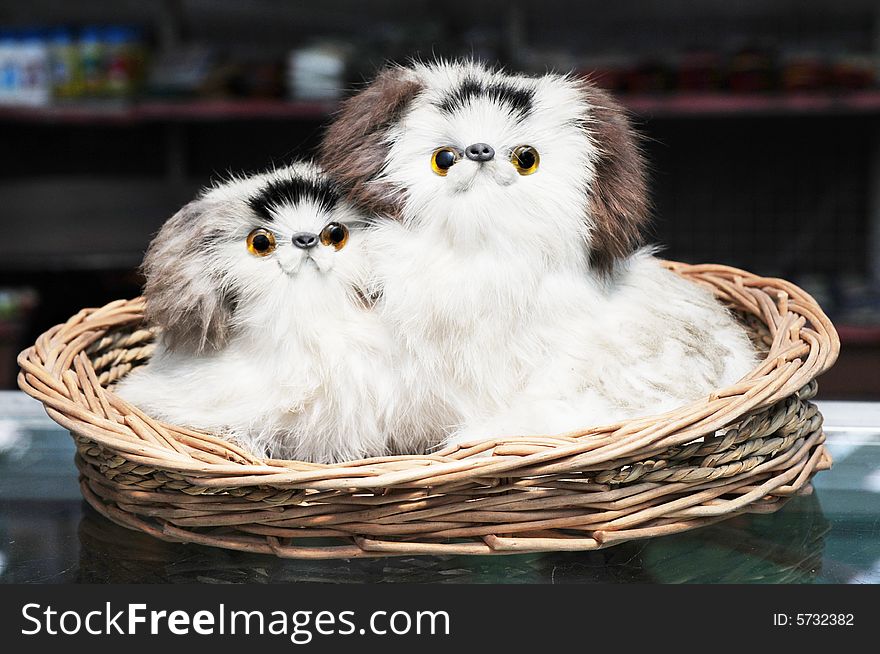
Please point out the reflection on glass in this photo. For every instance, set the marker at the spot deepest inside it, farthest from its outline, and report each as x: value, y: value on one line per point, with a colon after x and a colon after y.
x: 786, y: 547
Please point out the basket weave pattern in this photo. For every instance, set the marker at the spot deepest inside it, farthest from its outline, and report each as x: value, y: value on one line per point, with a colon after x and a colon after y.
x: 746, y: 448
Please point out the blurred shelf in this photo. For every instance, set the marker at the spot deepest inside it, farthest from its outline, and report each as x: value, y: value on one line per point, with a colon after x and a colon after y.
x: 671, y: 105
x: 867, y: 335
x: 63, y: 263
x: 168, y: 111
x: 675, y: 105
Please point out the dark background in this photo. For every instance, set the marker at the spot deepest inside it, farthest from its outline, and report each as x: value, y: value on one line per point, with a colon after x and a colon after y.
x: 761, y: 118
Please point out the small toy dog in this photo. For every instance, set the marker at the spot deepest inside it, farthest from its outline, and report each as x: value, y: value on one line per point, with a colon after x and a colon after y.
x: 509, y: 261
x: 265, y: 336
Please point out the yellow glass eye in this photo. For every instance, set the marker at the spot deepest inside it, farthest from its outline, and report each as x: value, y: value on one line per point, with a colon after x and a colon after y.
x: 442, y: 160
x: 335, y: 234
x: 525, y: 159
x: 261, y: 242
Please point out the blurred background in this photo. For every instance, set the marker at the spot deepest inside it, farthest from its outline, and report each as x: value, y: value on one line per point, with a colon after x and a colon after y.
x: 762, y: 120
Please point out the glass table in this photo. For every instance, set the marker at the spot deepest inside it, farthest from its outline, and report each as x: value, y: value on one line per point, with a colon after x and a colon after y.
x: 49, y: 535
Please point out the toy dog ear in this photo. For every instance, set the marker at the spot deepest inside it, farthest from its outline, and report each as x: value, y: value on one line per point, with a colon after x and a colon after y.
x: 184, y: 292
x: 353, y: 150
x: 618, y: 196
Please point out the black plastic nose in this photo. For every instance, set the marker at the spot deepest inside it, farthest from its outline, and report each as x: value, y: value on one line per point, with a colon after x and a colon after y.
x: 305, y: 240
x: 479, y: 152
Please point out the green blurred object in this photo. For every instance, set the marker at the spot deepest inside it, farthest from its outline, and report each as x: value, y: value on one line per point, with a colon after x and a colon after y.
x: 15, y: 308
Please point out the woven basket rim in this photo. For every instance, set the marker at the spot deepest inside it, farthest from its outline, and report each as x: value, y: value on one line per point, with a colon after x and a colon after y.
x: 745, y: 448
x: 244, y: 469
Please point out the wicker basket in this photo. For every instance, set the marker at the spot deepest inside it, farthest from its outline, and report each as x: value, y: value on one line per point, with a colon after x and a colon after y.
x: 746, y: 448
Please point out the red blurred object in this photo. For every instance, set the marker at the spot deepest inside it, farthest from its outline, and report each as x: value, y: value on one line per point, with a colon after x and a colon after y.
x: 752, y: 70
x: 699, y: 70
x: 852, y: 73
x: 805, y: 73
x: 649, y: 77
x: 610, y: 78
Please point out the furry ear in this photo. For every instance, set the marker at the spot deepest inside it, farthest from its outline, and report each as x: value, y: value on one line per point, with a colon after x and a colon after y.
x: 353, y: 150
x: 619, y: 207
x: 185, y: 296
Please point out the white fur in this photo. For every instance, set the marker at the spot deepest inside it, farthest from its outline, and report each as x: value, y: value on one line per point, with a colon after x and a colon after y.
x: 306, y: 373
x: 485, y: 281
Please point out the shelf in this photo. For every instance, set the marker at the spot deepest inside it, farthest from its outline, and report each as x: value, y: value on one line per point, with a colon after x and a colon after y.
x: 169, y: 112
x: 686, y: 105
x: 863, y: 335
x: 673, y: 105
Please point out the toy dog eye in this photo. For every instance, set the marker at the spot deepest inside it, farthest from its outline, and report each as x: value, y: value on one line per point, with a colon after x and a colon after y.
x: 442, y: 160
x: 261, y: 242
x: 335, y: 234
x: 525, y: 159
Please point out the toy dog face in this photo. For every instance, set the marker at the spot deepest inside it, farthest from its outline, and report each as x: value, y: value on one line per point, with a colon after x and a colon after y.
x: 245, y: 244
x: 296, y: 224
x: 484, y: 155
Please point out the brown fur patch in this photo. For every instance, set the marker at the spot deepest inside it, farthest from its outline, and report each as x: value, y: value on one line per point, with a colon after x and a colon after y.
x: 619, y: 206
x: 353, y: 151
x: 182, y: 297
